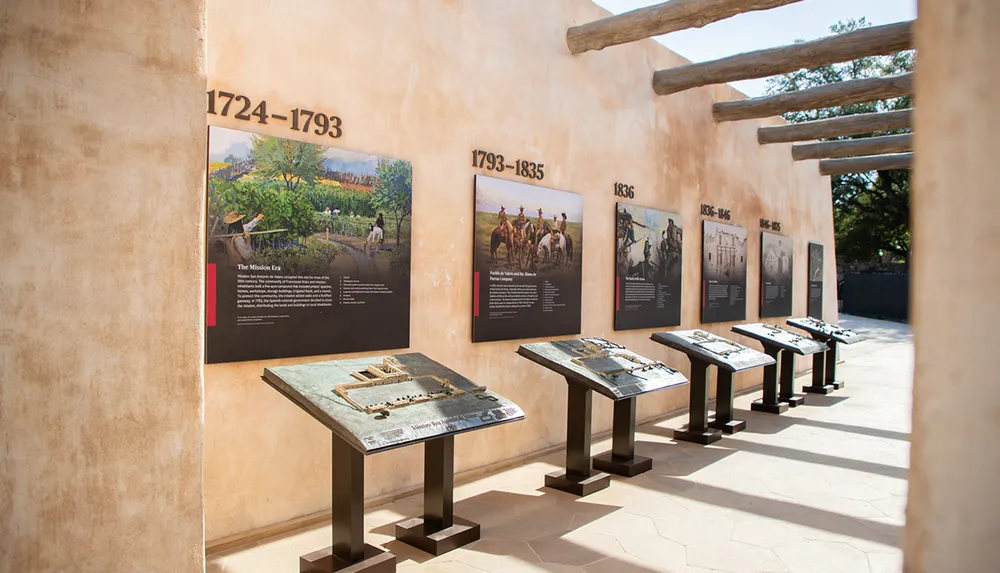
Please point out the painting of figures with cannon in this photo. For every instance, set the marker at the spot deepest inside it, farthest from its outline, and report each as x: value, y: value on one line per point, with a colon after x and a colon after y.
x: 307, y: 249
x: 528, y: 261
x: 305, y: 206
x: 647, y: 267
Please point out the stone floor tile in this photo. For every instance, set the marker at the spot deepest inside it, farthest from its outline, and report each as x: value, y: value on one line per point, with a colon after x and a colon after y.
x: 696, y: 527
x: 497, y: 555
x: 823, y: 557
x: 885, y: 562
x: 579, y: 548
x: 768, y: 533
x: 654, y: 549
x: 628, y: 564
x: 734, y: 557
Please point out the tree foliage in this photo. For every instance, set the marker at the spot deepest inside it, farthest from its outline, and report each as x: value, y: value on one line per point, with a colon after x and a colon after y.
x: 394, y: 191
x: 282, y: 209
x: 290, y: 161
x: 871, y: 210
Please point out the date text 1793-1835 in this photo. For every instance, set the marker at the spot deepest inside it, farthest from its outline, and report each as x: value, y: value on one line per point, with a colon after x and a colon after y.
x: 497, y: 162
x: 306, y: 120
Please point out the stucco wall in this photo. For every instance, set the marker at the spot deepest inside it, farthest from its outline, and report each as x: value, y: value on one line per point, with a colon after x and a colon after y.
x: 953, y: 510
x: 102, y: 147
x: 428, y: 81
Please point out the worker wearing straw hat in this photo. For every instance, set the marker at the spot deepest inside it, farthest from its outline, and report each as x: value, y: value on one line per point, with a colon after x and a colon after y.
x: 238, y: 246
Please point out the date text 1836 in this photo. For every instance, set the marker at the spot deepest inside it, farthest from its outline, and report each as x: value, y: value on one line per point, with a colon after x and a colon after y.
x: 497, y: 162
x: 306, y: 120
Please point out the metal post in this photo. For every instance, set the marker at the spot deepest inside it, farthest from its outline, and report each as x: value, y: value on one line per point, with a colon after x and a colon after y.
x: 819, y: 370
x: 771, y: 376
x: 439, y: 484
x: 698, y: 412
x: 787, y: 375
x: 348, y: 501
x: 623, y: 430
x: 724, y: 396
x: 578, y: 431
x: 831, y: 363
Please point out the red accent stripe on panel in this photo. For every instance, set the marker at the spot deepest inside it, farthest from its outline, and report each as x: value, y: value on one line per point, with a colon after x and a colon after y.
x: 210, y: 288
x: 475, y: 294
x: 618, y: 292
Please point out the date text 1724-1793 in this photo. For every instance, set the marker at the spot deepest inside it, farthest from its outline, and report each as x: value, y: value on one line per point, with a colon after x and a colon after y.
x: 497, y: 162
x: 306, y: 120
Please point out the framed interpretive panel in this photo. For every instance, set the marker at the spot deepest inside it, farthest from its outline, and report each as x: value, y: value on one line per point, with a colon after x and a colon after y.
x: 776, y: 255
x: 648, y: 246
x: 723, y: 272
x: 527, y: 261
x: 307, y: 249
x: 815, y: 306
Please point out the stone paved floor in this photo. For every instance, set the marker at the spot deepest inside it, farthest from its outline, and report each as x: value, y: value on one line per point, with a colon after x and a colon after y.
x: 821, y: 488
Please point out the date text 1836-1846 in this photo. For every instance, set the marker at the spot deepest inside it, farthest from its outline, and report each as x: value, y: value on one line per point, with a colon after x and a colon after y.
x: 770, y: 225
x: 713, y: 211
x: 309, y: 121
x: 497, y: 162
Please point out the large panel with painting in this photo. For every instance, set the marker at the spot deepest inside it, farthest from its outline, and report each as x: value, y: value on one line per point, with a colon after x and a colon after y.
x: 648, y: 268
x: 308, y: 249
x: 815, y: 307
x: 776, y: 255
x: 723, y: 272
x: 527, y: 262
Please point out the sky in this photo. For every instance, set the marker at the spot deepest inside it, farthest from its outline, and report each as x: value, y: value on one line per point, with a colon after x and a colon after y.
x: 806, y: 20
x: 492, y: 193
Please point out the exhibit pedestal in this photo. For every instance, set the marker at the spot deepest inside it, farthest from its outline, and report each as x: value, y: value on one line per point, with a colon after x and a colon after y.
x: 787, y: 388
x: 819, y: 384
x: 349, y: 553
x: 769, y: 402
x: 578, y: 479
x: 725, y: 394
x: 621, y: 460
x: 697, y: 429
x: 438, y: 531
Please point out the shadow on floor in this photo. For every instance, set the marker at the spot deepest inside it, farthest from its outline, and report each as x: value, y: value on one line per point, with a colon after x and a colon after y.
x: 779, y: 423
x: 884, y: 533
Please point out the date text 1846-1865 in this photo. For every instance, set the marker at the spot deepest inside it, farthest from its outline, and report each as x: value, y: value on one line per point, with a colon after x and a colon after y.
x: 497, y: 162
x: 625, y: 190
x: 713, y: 211
x: 770, y: 225
x: 306, y: 120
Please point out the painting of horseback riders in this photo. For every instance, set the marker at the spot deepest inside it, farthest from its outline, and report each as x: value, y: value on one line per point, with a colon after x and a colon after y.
x: 528, y: 261
x: 312, y: 238
x: 647, y: 267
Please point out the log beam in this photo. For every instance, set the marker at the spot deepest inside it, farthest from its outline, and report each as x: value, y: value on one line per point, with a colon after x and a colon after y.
x: 853, y: 147
x: 876, y: 41
x: 830, y: 95
x: 866, y: 164
x: 836, y: 127
x: 659, y: 19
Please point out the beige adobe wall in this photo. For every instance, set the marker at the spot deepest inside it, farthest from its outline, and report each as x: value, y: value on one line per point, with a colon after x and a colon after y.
x: 429, y: 81
x: 953, y: 510
x: 102, y: 150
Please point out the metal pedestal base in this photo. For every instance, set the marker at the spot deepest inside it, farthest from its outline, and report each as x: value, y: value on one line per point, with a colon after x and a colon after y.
x: 414, y: 532
x: 577, y: 485
x: 324, y: 561
x: 621, y: 460
x: 730, y: 427
x: 824, y: 389
x: 628, y: 467
x: 703, y: 437
x: 769, y: 408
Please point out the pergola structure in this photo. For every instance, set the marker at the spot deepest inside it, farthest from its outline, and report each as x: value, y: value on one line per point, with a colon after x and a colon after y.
x: 836, y: 157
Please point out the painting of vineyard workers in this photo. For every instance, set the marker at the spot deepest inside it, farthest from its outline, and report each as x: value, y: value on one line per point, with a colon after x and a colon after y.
x: 306, y: 208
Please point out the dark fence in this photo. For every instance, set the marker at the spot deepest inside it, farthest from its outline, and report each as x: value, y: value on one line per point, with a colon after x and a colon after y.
x: 876, y: 295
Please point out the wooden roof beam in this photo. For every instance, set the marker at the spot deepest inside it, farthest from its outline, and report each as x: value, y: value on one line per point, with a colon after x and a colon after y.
x: 836, y: 127
x: 866, y: 164
x: 853, y: 147
x: 659, y: 19
x: 876, y: 41
x: 830, y: 95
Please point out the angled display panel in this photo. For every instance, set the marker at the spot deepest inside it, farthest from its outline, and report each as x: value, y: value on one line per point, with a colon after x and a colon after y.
x: 527, y: 261
x: 307, y: 249
x: 648, y: 248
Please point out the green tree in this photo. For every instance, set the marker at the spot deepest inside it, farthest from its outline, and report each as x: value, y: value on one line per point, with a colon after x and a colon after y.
x: 290, y: 161
x: 394, y: 191
x: 871, y: 211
